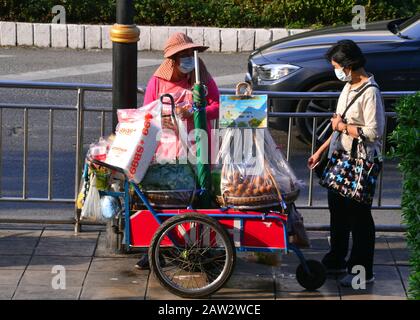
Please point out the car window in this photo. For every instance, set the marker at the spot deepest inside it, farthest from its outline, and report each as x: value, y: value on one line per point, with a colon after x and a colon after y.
x: 406, y: 23
x: 413, y: 30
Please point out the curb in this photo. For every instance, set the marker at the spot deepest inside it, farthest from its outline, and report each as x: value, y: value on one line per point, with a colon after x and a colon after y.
x: 75, y: 36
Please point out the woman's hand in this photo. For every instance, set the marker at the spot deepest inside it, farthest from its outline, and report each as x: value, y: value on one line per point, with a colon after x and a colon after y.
x: 313, y: 161
x: 184, y: 111
x: 335, y: 121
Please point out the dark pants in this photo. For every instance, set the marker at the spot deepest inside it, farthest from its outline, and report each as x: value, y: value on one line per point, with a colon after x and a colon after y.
x: 350, y: 216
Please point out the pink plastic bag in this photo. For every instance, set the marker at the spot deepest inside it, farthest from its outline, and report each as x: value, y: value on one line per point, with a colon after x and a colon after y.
x: 172, y: 146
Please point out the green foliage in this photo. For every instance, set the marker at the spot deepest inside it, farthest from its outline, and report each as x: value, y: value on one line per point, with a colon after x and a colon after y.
x: 406, y: 137
x: 216, y: 13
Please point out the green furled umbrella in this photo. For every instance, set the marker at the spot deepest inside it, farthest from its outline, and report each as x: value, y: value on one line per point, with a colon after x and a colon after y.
x: 200, y: 122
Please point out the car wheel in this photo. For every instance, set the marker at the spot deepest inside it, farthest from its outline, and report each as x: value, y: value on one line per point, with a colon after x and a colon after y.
x: 305, y: 125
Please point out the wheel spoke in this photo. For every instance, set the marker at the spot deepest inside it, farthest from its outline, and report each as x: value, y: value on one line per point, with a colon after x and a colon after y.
x: 312, y: 106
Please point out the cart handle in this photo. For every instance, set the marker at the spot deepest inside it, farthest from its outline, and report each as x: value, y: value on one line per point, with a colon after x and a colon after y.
x: 167, y: 95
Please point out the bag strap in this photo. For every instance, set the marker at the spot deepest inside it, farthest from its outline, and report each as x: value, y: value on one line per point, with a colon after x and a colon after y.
x: 357, y: 96
x: 324, y: 132
x: 352, y: 102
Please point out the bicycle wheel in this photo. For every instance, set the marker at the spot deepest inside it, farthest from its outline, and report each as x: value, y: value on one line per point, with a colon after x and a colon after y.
x: 198, y: 255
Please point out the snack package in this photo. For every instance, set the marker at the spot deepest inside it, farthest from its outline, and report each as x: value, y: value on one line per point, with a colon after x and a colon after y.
x: 136, y: 139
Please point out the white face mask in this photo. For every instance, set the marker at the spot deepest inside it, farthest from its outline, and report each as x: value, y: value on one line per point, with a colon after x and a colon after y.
x: 186, y: 64
x: 341, y: 75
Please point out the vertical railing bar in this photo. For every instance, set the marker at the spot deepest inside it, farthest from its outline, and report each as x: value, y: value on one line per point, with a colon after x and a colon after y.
x: 380, y: 187
x: 50, y: 151
x: 25, y: 152
x: 79, y: 151
x: 311, y: 172
x: 1, y: 149
x: 289, y: 139
x: 102, y: 123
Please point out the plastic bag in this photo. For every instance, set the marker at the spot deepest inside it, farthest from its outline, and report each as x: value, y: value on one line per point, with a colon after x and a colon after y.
x: 91, y: 210
x: 109, y: 206
x: 136, y: 139
x: 254, y: 172
x: 296, y: 229
x: 281, y: 170
x: 173, y: 143
x: 99, y: 150
x: 245, y: 180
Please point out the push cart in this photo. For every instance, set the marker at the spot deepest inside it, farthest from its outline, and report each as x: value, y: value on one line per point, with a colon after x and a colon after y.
x: 192, y: 252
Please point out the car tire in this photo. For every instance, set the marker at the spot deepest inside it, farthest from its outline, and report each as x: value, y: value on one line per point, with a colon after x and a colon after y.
x: 305, y: 125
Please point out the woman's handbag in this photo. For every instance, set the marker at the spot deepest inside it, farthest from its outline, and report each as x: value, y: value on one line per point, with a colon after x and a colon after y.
x: 350, y: 175
x: 326, y: 133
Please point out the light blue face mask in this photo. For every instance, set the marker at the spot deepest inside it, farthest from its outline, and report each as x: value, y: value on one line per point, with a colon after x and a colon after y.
x: 186, y: 64
x: 341, y: 75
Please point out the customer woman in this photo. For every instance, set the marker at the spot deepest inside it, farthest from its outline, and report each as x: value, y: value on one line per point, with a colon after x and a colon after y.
x: 365, y: 118
x: 176, y: 75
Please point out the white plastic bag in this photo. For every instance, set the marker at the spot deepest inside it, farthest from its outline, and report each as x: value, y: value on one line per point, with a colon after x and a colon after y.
x: 137, y: 136
x: 91, y: 210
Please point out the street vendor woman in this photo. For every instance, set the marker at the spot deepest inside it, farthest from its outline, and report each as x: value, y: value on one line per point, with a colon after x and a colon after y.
x: 176, y: 76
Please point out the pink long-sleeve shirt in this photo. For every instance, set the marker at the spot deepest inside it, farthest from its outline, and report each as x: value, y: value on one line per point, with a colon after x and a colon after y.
x: 158, y: 86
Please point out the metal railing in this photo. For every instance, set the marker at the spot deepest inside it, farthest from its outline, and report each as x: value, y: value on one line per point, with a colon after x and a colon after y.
x: 80, y: 109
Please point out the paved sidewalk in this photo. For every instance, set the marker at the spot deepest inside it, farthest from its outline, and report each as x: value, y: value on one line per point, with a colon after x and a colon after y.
x: 28, y: 254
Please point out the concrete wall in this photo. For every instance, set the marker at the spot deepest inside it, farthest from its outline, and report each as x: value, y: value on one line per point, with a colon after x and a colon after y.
x: 151, y: 37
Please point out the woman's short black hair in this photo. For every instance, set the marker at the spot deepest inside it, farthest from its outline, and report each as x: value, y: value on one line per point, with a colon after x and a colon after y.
x: 347, y: 54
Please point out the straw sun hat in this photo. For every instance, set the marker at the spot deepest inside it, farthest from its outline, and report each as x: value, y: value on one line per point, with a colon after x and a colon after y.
x: 178, y: 42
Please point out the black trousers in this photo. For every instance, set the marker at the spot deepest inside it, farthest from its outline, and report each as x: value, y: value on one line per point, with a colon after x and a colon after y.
x: 349, y: 216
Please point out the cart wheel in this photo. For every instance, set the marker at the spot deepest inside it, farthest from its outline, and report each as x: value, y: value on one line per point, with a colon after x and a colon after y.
x: 315, y: 279
x: 198, y: 254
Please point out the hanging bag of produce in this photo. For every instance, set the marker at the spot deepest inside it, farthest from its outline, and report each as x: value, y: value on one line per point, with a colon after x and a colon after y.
x: 247, y: 182
x: 254, y: 173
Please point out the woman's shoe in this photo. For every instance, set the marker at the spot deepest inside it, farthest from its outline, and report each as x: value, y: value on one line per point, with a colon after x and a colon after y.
x: 143, y: 263
x: 347, y: 281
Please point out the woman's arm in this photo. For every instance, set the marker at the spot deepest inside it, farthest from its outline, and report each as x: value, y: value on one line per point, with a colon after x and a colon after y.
x: 213, y: 96
x: 325, y: 145
x: 316, y: 157
x: 373, y: 115
x: 151, y: 89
